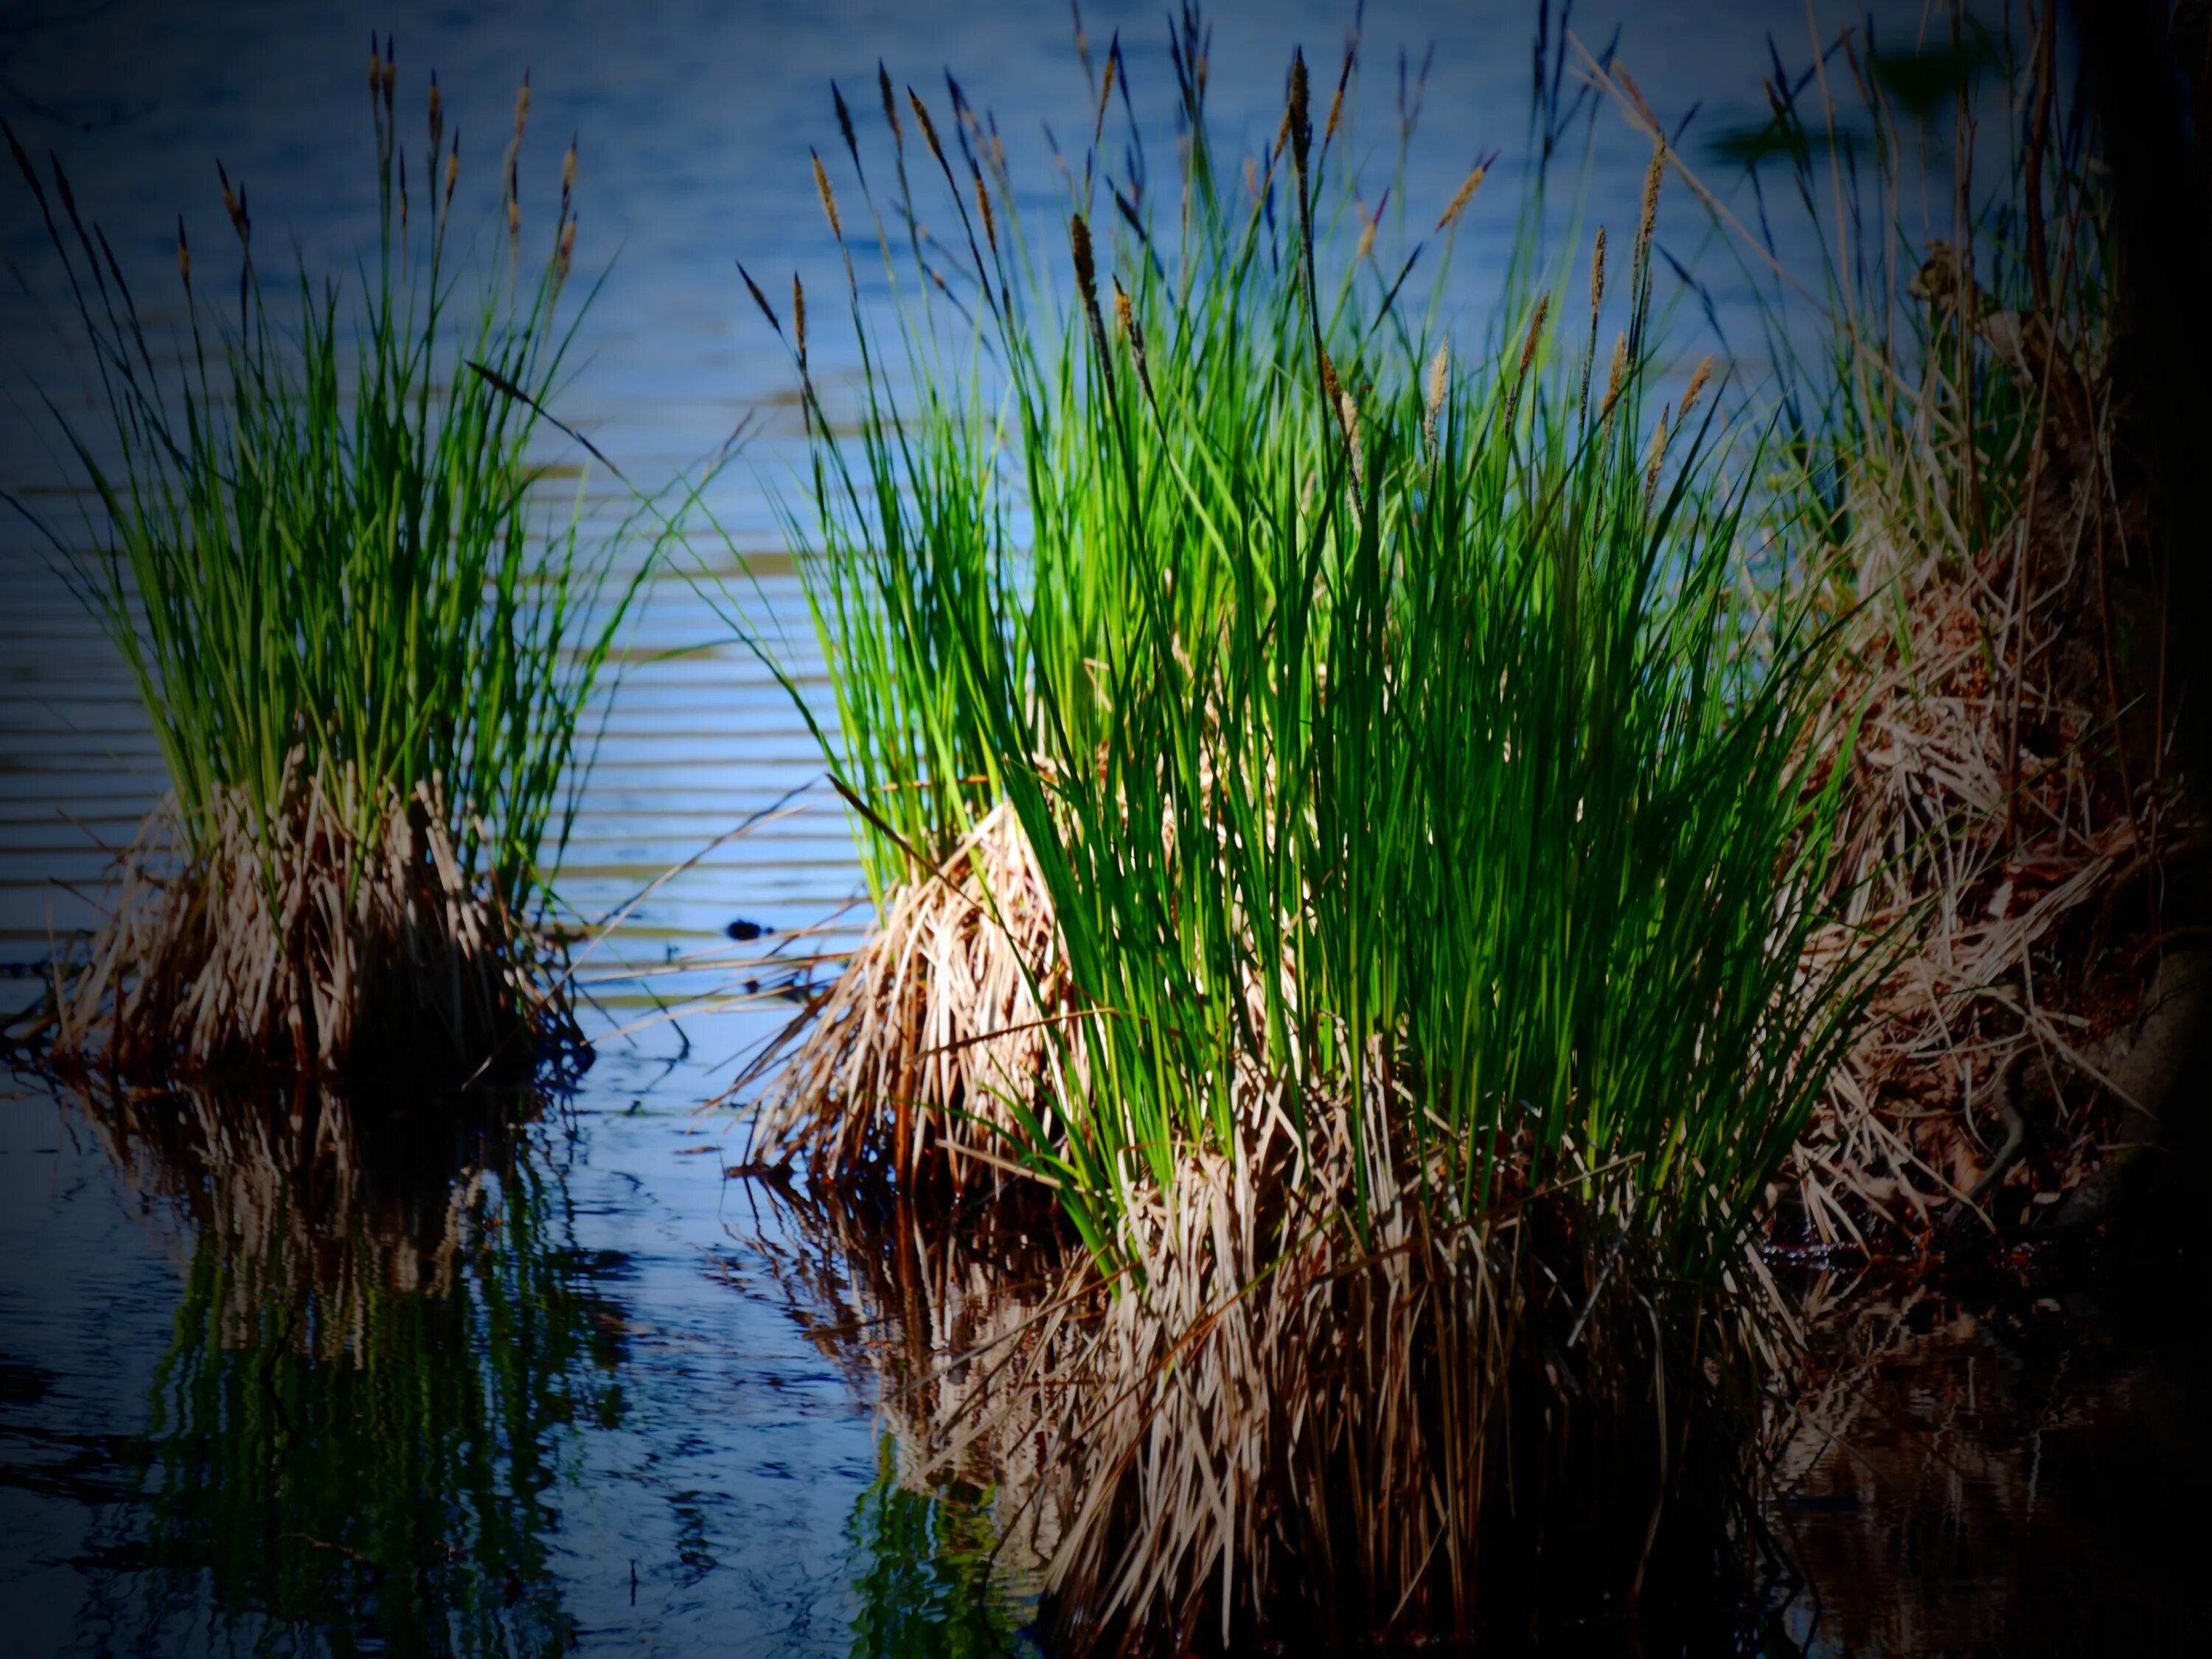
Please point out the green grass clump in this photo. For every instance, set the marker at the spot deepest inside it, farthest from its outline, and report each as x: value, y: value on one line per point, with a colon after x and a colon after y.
x: 364, y: 646
x: 1394, y: 736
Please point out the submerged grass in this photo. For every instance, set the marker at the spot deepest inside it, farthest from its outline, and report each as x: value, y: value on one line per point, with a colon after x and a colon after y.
x: 1342, y: 828
x: 365, y: 646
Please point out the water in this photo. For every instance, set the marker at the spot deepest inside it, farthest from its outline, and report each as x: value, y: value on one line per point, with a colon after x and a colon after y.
x: 548, y: 1379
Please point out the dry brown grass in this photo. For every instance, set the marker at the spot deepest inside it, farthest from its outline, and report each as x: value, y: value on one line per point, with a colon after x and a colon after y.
x: 907, y: 1065
x: 292, y: 946
x: 2009, y: 820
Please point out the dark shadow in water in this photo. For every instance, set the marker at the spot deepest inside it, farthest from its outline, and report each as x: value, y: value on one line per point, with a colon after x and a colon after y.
x: 382, y: 1337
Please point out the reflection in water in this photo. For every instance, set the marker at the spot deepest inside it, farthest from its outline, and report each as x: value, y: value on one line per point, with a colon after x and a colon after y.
x: 927, y: 1563
x: 927, y: 1320
x: 2015, y: 1471
x: 357, y: 1421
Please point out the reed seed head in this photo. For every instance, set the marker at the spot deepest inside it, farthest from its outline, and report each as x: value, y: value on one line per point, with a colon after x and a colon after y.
x: 928, y: 127
x: 1335, y: 114
x: 759, y: 298
x: 183, y: 254
x: 437, y: 115
x: 522, y: 107
x: 1649, y: 214
x: 1295, y: 116
x: 1106, y: 84
x: 1657, y: 458
x: 403, y: 193
x: 1597, y: 277
x: 1536, y: 333
x: 375, y: 68
x: 568, y: 254
x: 1086, y: 273
x: 1614, y: 380
x: 1698, y: 378
x: 453, y: 167
x: 233, y: 203
x: 845, y: 122
x: 797, y: 317
x: 1367, y: 228
x: 568, y: 174
x: 390, y: 72
x: 829, y: 199
x: 990, y: 220
x: 890, y: 106
x: 1461, y: 198
x: 1439, y: 383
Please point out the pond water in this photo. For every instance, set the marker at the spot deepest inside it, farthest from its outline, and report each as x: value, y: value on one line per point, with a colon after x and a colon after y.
x: 388, y: 1375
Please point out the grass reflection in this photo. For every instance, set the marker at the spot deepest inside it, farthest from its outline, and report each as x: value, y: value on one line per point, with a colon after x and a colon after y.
x: 382, y: 1337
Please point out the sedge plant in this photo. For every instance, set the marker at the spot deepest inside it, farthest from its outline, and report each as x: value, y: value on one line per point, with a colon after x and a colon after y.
x: 364, y: 637
x: 1380, y: 725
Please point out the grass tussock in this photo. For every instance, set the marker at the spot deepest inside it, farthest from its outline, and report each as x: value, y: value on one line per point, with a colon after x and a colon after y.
x: 1420, y: 807
x: 365, y: 642
x: 292, y: 941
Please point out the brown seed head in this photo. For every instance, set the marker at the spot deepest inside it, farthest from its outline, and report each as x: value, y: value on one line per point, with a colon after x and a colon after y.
x: 1329, y: 383
x: 1597, y: 277
x: 1086, y: 273
x: 453, y: 167
x: 1536, y: 332
x: 844, y: 122
x: 375, y: 69
x: 1367, y: 238
x: 184, y: 253
x: 1439, y: 383
x: 829, y: 200
x: 1614, y: 380
x: 890, y: 106
x: 568, y: 253
x: 522, y: 105
x: 1461, y: 198
x: 391, y: 76
x: 1106, y: 87
x: 928, y: 127
x: 799, y: 317
x: 1657, y: 457
x: 1295, y: 113
x: 513, y: 218
x: 1698, y: 378
x: 437, y: 115
x: 1336, y: 116
x: 990, y: 221
x: 569, y: 173
x: 1649, y: 214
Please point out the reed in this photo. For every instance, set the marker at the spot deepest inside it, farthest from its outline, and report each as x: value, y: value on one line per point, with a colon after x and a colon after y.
x: 317, y: 534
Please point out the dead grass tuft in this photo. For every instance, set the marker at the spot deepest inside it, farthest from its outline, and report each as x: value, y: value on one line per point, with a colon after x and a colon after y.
x: 292, y: 945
